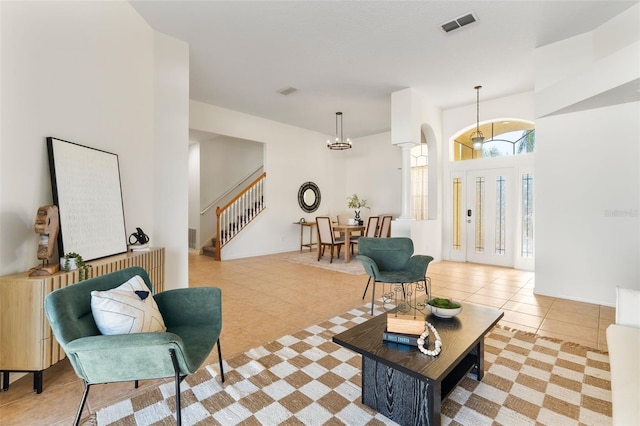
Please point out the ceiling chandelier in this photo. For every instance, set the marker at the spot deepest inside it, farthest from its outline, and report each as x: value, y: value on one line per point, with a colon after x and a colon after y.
x: 477, y: 138
x: 339, y: 144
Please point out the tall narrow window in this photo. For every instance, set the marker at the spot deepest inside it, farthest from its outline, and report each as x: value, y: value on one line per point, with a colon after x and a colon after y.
x: 419, y: 182
x: 457, y: 214
x: 527, y: 215
x: 479, y: 231
x: 500, y: 215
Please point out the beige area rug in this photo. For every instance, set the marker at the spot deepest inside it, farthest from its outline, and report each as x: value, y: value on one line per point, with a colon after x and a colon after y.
x: 354, y: 267
x: 305, y: 379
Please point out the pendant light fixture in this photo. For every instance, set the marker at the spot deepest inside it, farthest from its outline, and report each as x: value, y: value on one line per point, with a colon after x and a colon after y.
x: 339, y: 144
x: 477, y: 138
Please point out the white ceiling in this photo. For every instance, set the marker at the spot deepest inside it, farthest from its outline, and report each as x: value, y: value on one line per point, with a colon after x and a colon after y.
x: 350, y: 56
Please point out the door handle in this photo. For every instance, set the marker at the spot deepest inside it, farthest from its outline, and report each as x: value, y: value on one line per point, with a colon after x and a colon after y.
x: 469, y: 216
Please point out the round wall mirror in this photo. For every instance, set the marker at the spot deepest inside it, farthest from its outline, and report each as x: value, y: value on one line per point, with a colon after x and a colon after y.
x: 309, y: 197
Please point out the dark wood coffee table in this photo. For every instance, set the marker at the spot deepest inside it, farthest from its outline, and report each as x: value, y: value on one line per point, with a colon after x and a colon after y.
x: 407, y: 386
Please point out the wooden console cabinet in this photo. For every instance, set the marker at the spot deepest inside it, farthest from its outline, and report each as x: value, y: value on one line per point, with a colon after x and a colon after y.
x: 26, y: 341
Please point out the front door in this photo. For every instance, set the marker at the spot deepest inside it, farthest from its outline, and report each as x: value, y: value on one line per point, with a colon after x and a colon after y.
x: 484, y: 217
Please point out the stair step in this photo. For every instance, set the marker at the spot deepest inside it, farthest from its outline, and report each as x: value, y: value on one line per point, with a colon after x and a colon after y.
x: 209, y: 251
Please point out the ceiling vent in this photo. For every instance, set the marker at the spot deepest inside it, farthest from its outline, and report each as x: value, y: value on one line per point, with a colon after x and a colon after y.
x: 459, y: 22
x: 287, y: 90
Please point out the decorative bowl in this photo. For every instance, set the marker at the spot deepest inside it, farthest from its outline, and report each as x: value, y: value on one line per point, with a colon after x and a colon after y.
x: 444, y: 312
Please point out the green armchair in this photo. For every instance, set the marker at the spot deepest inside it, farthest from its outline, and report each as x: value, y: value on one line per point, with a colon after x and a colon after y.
x: 193, y: 318
x: 391, y: 260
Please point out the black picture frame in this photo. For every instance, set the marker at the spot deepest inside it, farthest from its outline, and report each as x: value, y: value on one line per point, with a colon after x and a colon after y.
x: 86, y: 187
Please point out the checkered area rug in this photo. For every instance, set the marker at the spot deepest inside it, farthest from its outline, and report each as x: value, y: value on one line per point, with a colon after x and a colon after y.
x: 305, y: 379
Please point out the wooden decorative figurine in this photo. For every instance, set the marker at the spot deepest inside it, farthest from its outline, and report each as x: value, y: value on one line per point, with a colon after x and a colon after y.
x: 47, y: 226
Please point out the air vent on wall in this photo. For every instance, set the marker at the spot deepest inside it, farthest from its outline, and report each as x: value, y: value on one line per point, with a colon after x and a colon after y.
x: 287, y: 90
x: 459, y: 22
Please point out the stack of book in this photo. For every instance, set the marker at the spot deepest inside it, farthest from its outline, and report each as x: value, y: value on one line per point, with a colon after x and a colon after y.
x: 403, y: 329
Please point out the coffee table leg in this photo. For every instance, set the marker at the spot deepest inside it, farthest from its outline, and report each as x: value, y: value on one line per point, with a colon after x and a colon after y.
x: 398, y: 396
x: 478, y: 351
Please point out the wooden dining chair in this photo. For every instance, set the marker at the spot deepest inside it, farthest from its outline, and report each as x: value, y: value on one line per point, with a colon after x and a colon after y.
x: 343, y: 219
x: 370, y: 231
x: 384, y: 230
x: 326, y: 237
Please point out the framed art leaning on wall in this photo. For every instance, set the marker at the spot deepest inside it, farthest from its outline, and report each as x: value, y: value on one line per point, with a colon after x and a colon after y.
x: 86, y: 188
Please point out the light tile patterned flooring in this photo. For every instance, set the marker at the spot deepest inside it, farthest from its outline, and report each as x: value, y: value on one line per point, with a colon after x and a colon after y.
x: 267, y: 297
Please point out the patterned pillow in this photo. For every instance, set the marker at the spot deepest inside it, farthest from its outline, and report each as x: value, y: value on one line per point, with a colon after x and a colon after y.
x: 129, y: 308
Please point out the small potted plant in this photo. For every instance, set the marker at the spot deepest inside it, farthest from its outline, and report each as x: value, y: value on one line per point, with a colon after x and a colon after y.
x: 72, y: 261
x: 355, y: 202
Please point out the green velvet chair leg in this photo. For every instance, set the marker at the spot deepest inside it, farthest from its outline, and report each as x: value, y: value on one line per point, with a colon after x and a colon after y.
x: 366, y: 288
x: 176, y: 367
x: 84, y: 400
x: 373, y: 295
x: 220, y: 359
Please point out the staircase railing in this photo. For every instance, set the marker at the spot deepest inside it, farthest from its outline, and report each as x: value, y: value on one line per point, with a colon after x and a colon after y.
x: 237, y: 213
x: 231, y: 190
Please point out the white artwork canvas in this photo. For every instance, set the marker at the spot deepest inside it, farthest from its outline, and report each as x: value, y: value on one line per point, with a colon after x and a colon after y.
x: 86, y: 188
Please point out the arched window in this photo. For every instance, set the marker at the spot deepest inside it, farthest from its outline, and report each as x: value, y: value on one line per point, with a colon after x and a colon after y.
x: 501, y: 138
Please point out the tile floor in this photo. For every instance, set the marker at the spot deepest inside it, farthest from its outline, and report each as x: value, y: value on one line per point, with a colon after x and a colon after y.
x: 267, y: 297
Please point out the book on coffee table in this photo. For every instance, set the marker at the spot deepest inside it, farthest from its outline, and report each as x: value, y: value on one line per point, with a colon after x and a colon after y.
x: 403, y: 338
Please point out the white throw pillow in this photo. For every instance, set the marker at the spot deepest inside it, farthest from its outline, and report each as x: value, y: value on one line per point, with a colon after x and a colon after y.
x: 122, y: 311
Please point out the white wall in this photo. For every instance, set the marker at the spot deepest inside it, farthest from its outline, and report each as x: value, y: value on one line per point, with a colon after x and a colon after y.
x: 171, y: 156
x: 428, y: 235
x: 373, y: 172
x: 194, y: 189
x: 225, y: 162
x: 587, y: 192
x: 587, y: 184
x: 84, y: 72
x: 431, y: 128
x: 591, y: 70
x: 406, y: 116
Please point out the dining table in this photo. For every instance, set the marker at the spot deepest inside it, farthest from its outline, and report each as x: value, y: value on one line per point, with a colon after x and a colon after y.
x: 348, y: 231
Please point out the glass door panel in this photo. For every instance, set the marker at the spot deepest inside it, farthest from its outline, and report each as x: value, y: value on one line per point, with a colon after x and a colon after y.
x: 457, y: 214
x: 526, y: 244
x: 490, y: 227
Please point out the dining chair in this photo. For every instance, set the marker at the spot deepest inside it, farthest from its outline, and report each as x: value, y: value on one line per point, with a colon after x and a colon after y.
x: 326, y: 237
x: 343, y: 219
x: 370, y: 231
x: 384, y: 231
